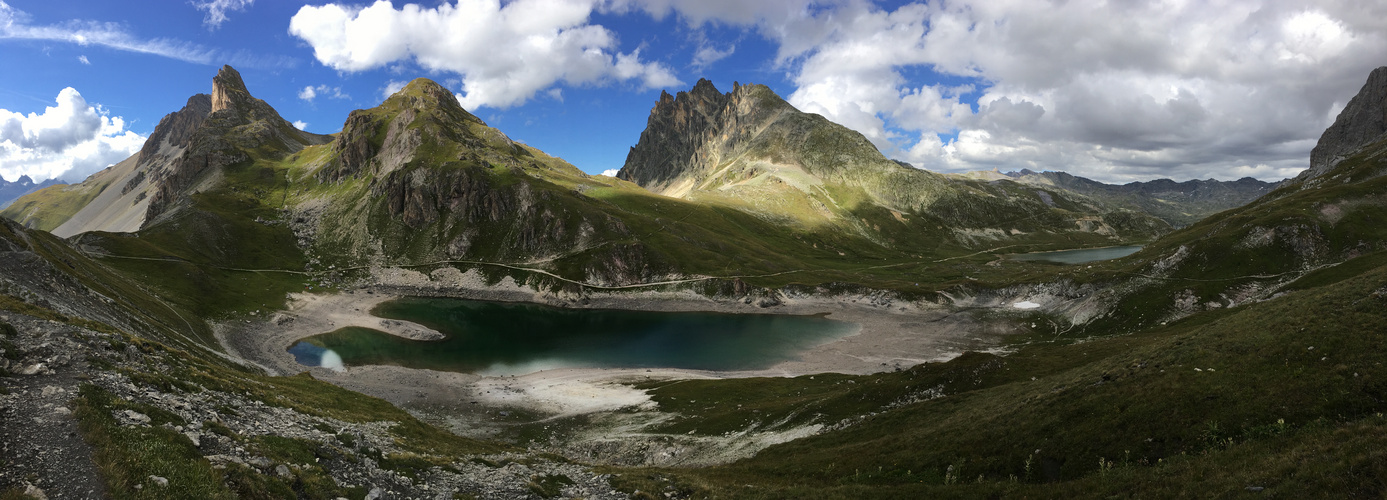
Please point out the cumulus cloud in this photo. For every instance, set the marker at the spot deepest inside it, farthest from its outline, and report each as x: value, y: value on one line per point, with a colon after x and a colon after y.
x: 70, y: 140
x: 310, y: 92
x: 1118, y: 91
x: 611, y: 172
x: 217, y: 9
x: 300, y: 124
x: 84, y: 60
x: 546, y: 42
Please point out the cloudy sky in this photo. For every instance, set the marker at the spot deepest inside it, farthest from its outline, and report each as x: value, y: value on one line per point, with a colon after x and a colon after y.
x: 1116, y: 91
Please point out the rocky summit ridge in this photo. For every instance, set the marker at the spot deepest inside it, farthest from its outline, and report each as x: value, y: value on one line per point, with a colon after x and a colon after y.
x: 1363, y: 121
x: 751, y: 149
x: 237, y: 128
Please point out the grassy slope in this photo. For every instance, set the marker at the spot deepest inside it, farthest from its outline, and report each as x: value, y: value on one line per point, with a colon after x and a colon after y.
x: 156, y: 325
x: 1262, y: 246
x: 1296, y: 375
x: 1286, y: 394
x: 214, y: 258
x: 50, y: 207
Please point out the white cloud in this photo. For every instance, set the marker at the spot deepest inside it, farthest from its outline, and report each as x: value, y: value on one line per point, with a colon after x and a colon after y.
x: 546, y: 42
x: 300, y: 124
x: 15, y: 24
x: 310, y: 92
x: 611, y: 172
x: 707, y: 55
x: 84, y: 60
x: 391, y: 87
x: 70, y: 140
x: 1118, y: 91
x: 217, y: 9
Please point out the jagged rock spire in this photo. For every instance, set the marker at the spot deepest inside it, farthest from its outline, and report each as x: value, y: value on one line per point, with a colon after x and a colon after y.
x: 228, y: 89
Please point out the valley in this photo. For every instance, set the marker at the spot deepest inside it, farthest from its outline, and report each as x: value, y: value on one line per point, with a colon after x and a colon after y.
x: 1230, y: 341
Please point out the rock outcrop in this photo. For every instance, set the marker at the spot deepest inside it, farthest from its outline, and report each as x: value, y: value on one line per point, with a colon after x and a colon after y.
x: 1362, y: 122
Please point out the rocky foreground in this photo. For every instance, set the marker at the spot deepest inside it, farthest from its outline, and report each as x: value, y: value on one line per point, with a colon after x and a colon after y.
x: 64, y: 386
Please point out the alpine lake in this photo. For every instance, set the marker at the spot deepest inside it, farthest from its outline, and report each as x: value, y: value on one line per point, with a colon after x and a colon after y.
x: 493, y: 338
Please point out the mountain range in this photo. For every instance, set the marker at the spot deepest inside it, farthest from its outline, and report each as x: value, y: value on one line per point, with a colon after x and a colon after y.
x: 10, y: 191
x: 1236, y: 353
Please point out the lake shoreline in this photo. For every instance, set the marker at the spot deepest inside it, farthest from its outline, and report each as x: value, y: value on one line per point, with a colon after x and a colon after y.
x: 890, y: 335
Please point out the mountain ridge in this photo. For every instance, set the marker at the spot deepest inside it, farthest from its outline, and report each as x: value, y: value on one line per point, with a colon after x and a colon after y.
x: 13, y: 190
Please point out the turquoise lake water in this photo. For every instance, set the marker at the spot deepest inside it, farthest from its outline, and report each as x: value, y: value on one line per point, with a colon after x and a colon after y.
x: 506, y: 338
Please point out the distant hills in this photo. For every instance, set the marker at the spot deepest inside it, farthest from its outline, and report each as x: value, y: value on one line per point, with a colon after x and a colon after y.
x: 1179, y: 203
x: 10, y: 191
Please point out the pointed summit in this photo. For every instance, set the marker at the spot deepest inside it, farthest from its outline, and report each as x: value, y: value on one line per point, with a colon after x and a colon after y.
x: 228, y: 89
x: 427, y: 96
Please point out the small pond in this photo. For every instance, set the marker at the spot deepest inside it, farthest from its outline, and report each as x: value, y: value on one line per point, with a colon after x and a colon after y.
x: 504, y: 338
x: 1079, y: 256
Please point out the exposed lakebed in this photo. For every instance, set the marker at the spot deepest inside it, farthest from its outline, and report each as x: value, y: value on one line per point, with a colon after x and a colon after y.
x: 508, y: 338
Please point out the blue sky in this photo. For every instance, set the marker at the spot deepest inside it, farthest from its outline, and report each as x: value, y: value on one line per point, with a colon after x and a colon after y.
x: 1113, y: 92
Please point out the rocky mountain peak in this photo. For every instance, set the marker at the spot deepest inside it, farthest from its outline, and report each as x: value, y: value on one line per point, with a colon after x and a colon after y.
x: 692, y: 135
x: 427, y: 96
x: 228, y: 90
x: 209, y: 133
x: 1362, y: 122
x: 674, y: 136
x: 176, y: 129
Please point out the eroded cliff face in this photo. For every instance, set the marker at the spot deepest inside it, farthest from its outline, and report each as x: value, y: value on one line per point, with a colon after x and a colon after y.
x: 1362, y: 122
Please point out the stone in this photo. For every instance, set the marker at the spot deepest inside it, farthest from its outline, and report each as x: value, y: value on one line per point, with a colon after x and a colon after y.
x: 35, y: 492
x: 136, y: 417
x: 160, y: 481
x: 194, y: 437
x: 375, y: 493
x: 33, y: 369
x: 282, y: 470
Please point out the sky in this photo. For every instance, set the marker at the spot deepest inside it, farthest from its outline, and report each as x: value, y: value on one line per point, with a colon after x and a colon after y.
x: 1116, y: 91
